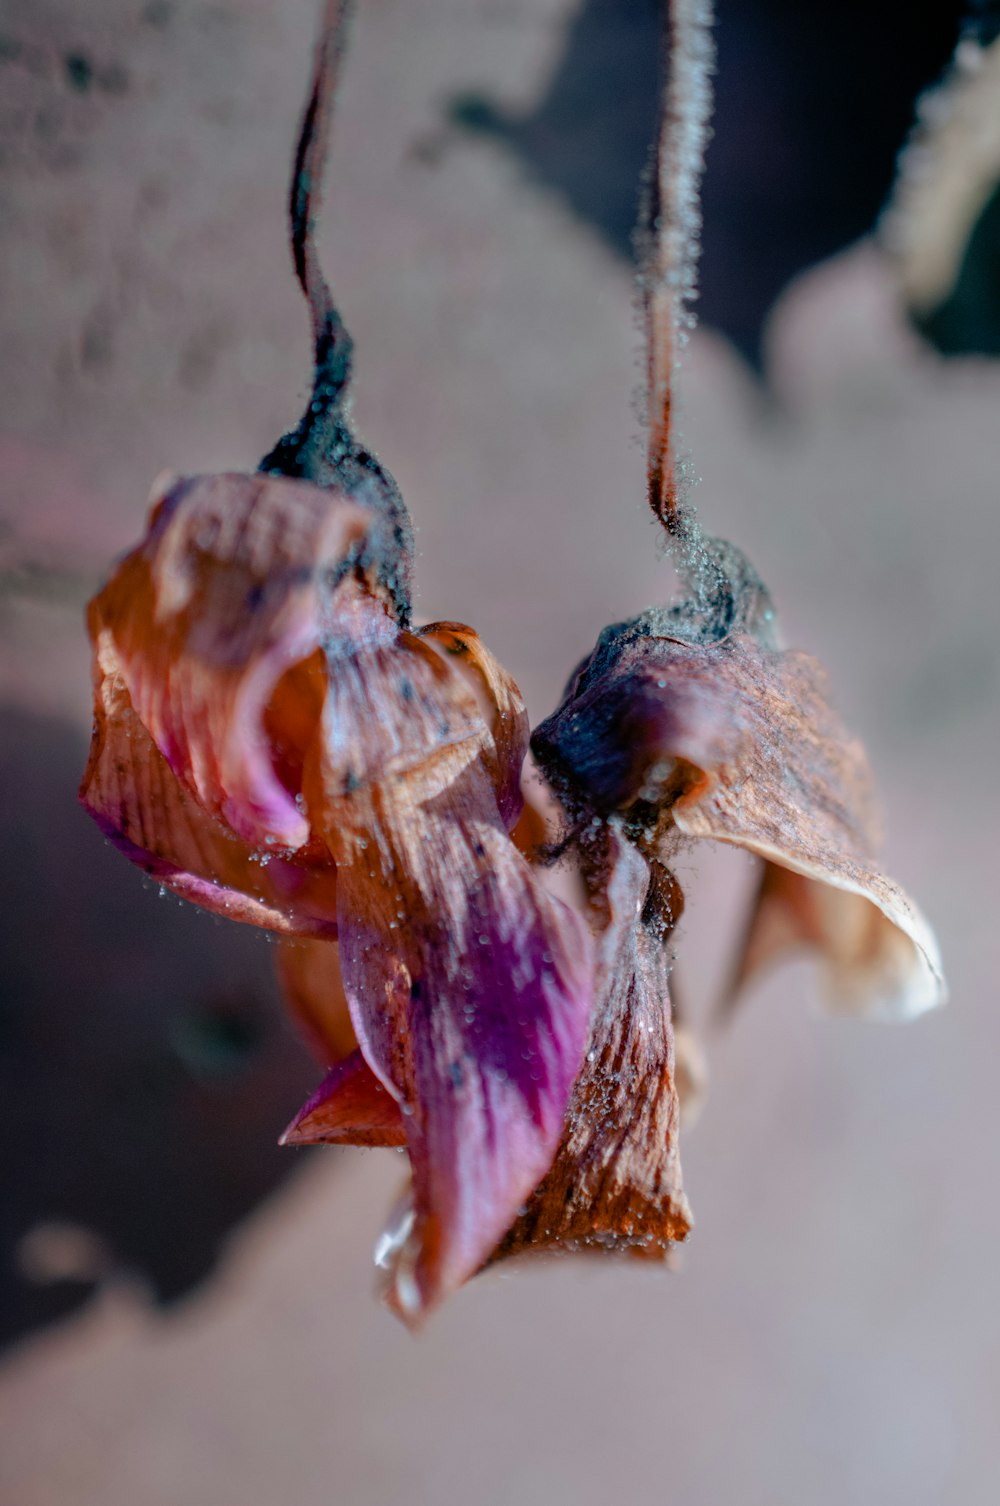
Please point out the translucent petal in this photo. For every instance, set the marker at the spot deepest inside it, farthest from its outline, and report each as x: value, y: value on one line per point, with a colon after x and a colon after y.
x: 501, y: 705
x: 309, y: 974
x: 798, y: 795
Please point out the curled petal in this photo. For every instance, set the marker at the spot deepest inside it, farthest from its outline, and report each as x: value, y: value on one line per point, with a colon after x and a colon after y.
x: 629, y: 735
x: 350, y: 1107
x: 501, y: 706
x: 798, y: 795
x: 616, y: 1179
x: 469, y: 986
x: 396, y: 713
x: 141, y: 805
x: 867, y: 942
x: 222, y: 600
x: 733, y: 742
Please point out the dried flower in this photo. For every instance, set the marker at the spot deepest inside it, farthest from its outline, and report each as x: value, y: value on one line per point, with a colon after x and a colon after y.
x: 730, y: 740
x: 688, y: 722
x: 274, y: 742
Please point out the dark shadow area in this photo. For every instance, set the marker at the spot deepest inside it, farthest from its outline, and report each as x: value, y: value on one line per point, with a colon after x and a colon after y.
x: 813, y: 103
x: 146, y: 1067
x: 967, y: 321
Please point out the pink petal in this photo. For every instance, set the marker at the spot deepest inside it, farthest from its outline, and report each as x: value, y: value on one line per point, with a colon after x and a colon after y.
x: 141, y: 805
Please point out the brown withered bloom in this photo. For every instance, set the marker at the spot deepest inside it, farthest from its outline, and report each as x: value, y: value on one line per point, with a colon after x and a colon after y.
x: 687, y: 722
x: 275, y: 741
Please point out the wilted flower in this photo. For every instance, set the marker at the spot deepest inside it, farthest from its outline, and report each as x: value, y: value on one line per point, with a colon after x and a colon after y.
x: 730, y: 740
x: 275, y: 742
x: 660, y: 740
x: 688, y: 722
x: 274, y: 745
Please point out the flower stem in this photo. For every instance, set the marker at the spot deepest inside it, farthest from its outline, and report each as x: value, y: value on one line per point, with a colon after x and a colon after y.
x: 323, y: 434
x: 323, y: 448
x: 668, y: 238
x: 331, y: 343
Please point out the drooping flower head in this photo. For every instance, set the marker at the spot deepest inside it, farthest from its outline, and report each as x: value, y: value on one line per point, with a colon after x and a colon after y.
x: 688, y: 721
x: 276, y: 742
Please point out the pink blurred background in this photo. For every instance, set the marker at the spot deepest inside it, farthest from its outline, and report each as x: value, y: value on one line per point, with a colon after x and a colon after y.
x: 189, y: 1309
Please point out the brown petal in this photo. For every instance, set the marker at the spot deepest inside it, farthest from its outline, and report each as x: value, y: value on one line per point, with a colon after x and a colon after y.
x: 616, y: 1180
x: 501, y: 706
x: 309, y: 974
x: 141, y: 805
x: 795, y: 789
x: 867, y: 952
x: 350, y: 1107
x: 736, y: 743
x: 397, y: 710
x: 225, y: 595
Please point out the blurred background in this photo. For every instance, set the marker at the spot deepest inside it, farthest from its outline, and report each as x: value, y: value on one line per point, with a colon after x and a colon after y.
x: 187, y: 1309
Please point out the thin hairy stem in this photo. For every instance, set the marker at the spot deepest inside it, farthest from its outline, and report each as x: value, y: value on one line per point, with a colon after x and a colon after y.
x: 322, y: 448
x: 330, y: 338
x: 668, y: 236
x: 323, y: 438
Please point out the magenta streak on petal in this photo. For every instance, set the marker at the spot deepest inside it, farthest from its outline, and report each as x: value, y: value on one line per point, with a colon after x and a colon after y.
x: 476, y: 1013
x: 234, y: 904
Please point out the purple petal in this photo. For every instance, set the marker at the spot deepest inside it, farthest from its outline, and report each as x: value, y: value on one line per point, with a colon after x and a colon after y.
x: 471, y: 991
